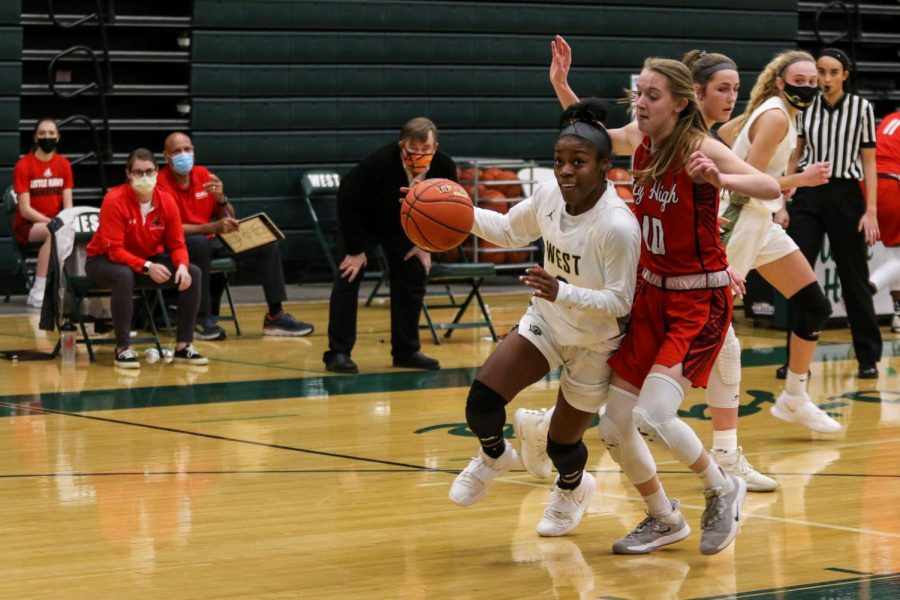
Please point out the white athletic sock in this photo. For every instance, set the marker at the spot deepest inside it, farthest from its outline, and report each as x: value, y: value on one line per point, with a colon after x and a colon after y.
x: 40, y: 283
x: 796, y: 383
x: 725, y: 440
x: 712, y: 476
x: 658, y: 504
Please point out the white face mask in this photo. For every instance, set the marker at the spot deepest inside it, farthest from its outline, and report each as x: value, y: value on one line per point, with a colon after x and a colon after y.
x: 143, y: 185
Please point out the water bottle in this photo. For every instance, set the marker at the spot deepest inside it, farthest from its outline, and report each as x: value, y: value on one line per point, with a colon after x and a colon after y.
x: 68, y: 332
x: 152, y: 355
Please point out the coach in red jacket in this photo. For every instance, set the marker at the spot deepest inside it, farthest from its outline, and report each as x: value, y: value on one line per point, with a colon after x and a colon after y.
x: 206, y: 211
x: 140, y: 243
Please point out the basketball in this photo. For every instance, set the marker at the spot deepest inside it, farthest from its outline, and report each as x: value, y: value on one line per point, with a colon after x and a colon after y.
x: 437, y: 215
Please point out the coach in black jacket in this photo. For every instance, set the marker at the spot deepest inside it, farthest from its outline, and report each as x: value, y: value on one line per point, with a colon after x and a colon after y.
x: 368, y: 214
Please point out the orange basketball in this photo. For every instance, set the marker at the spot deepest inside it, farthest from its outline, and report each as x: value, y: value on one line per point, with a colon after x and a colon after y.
x: 437, y: 214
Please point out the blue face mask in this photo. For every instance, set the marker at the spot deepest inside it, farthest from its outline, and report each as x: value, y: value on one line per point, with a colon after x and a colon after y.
x: 183, y: 163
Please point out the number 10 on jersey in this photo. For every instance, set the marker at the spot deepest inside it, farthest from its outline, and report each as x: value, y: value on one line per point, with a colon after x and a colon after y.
x: 652, y: 231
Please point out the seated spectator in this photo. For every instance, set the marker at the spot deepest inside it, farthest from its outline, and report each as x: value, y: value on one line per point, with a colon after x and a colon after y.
x: 42, y: 181
x: 140, y: 243
x: 205, y: 211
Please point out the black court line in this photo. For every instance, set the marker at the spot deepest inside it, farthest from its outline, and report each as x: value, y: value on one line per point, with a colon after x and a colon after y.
x: 223, y: 438
x: 849, y: 571
x: 220, y: 472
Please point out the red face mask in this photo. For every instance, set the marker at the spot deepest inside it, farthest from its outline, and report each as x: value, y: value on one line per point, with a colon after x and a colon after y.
x: 415, y: 163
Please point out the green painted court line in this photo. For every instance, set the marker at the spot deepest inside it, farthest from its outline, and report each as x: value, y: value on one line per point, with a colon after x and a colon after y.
x: 869, y: 587
x: 322, y: 386
x: 849, y: 571
x: 244, y: 418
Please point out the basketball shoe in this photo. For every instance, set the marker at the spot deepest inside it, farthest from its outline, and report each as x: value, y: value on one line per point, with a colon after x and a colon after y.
x: 735, y: 463
x: 471, y: 484
x: 566, y: 507
x: 799, y: 409
x: 653, y: 533
x: 531, y: 428
x: 722, y: 518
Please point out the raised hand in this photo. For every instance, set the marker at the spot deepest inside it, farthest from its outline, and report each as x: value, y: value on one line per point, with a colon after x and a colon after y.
x: 561, y: 61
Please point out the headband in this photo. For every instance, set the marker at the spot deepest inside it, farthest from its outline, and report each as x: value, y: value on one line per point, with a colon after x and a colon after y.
x: 595, y: 134
x: 791, y: 62
x: 838, y: 55
x: 704, y: 73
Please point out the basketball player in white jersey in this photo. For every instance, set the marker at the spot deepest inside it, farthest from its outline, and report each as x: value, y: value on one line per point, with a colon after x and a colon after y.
x: 580, y: 302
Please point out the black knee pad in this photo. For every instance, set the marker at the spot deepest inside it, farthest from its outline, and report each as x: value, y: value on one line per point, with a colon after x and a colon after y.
x: 810, y: 311
x: 485, y: 412
x: 567, y: 458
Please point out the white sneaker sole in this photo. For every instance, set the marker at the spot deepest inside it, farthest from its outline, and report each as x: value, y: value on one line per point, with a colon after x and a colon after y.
x: 579, y: 515
x: 667, y: 540
x: 191, y: 361
x: 526, y: 441
x: 736, y: 508
x: 126, y: 365
x: 286, y: 333
x: 788, y: 417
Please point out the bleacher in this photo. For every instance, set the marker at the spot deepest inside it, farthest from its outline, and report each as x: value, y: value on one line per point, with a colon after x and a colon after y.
x: 277, y: 87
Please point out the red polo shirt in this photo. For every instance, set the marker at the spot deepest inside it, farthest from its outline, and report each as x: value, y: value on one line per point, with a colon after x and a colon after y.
x: 128, y: 239
x: 197, y: 206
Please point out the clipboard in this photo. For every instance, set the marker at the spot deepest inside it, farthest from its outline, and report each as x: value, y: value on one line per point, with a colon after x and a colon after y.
x: 254, y: 231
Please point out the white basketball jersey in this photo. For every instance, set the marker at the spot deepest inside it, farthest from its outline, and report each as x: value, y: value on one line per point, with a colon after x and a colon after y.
x: 594, y: 256
x: 779, y: 161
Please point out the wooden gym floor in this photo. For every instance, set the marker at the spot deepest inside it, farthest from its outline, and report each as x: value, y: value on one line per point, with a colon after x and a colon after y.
x: 264, y: 476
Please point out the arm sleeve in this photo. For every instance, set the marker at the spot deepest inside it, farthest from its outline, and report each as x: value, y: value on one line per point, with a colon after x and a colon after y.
x: 68, y: 181
x: 349, y: 208
x: 112, y: 224
x: 617, y: 250
x: 518, y: 227
x: 21, y: 184
x: 867, y: 124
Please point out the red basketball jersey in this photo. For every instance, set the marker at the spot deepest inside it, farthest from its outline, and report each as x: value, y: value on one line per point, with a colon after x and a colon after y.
x: 679, y: 222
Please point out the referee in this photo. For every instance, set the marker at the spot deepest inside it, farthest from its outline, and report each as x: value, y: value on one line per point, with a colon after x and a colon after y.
x: 840, y: 128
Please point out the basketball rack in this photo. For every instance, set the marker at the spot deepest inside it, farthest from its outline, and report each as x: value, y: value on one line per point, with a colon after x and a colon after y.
x: 526, y: 178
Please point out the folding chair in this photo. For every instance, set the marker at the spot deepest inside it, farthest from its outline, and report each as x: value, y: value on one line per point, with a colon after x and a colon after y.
x: 320, y: 190
x: 224, y: 267
x: 12, y: 262
x: 27, y: 254
x: 471, y: 274
x: 79, y: 288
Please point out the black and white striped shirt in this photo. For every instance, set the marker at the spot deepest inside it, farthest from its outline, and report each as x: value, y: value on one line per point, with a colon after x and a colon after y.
x: 836, y: 134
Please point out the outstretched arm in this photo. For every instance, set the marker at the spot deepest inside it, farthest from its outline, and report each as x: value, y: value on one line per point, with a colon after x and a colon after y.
x: 716, y: 164
x: 624, y: 139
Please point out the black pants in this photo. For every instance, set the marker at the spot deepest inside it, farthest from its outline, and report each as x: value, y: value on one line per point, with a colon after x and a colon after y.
x: 407, y: 295
x: 266, y: 260
x: 121, y: 280
x: 835, y: 209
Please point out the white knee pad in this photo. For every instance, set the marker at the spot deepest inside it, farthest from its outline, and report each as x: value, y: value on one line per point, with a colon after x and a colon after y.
x: 656, y: 420
x: 887, y: 276
x: 620, y: 436
x: 724, y: 388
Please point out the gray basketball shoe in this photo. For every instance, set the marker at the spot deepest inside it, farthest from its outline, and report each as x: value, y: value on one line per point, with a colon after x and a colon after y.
x: 653, y: 533
x: 722, y: 518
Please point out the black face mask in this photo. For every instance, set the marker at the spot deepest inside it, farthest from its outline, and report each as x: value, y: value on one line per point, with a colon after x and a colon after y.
x: 800, y: 96
x: 48, y: 145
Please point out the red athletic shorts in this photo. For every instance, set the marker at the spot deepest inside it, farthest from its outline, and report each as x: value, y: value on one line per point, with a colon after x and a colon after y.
x: 671, y: 327
x: 889, y: 211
